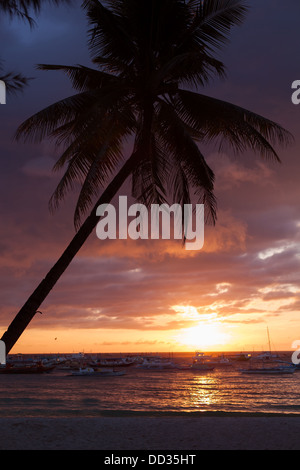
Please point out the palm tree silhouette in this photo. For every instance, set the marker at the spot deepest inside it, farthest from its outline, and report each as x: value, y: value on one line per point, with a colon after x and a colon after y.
x: 151, y: 58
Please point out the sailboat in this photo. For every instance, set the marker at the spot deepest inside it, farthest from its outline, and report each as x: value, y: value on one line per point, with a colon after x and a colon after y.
x: 267, y: 355
x: 270, y: 370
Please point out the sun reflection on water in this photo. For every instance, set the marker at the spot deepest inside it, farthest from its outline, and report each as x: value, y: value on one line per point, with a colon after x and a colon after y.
x: 204, y: 391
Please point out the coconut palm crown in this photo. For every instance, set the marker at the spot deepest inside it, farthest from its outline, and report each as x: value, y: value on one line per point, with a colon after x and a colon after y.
x: 152, y: 57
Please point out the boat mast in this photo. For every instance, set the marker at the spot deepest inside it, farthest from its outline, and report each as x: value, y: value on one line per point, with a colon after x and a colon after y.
x: 269, y: 339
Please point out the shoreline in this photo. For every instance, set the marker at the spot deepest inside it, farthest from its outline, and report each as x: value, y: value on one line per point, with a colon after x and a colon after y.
x: 226, y: 432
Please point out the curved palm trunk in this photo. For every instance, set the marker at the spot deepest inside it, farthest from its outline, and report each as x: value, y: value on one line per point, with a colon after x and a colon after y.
x: 29, y: 309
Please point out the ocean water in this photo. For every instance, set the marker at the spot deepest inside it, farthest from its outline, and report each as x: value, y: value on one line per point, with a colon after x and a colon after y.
x: 58, y: 394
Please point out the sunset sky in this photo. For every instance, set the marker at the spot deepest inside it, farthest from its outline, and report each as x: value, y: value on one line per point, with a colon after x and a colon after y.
x: 142, y: 296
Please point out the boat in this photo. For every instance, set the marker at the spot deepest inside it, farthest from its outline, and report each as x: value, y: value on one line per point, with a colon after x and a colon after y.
x: 221, y: 361
x: 267, y: 363
x: 156, y: 363
x: 241, y: 357
x: 90, y: 372
x: 279, y: 370
x: 113, y: 362
x: 201, y: 359
x: 38, y: 368
x: 267, y: 355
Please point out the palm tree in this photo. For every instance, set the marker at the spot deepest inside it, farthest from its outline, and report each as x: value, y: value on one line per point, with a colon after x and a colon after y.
x: 151, y: 58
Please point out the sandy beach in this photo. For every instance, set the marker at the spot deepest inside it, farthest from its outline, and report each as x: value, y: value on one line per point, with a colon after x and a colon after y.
x: 151, y: 433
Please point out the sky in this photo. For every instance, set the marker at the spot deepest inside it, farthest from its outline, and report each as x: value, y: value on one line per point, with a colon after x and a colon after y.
x: 145, y: 295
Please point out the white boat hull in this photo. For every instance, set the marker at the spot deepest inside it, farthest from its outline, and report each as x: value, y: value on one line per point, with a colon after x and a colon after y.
x: 95, y: 373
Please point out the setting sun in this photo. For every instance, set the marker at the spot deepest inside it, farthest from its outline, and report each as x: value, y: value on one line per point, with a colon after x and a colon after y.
x: 206, y: 332
x: 203, y: 336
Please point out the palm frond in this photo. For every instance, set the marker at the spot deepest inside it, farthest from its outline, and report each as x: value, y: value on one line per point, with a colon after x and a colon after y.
x: 84, y: 78
x: 231, y: 124
x: 188, y: 156
x: 106, y: 159
x: 43, y: 123
x: 107, y: 35
x: 149, y: 177
x: 214, y: 20
x: 77, y: 109
x: 190, y: 68
x: 15, y: 82
x: 92, y: 156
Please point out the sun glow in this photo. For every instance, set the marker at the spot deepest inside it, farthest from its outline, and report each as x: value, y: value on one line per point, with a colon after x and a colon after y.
x: 207, y: 330
x: 203, y: 336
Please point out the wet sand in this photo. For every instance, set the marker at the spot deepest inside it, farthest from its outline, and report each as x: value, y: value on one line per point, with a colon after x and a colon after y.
x: 151, y: 433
